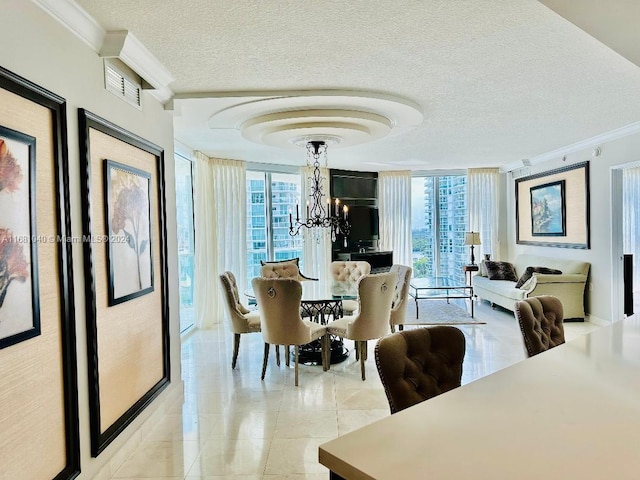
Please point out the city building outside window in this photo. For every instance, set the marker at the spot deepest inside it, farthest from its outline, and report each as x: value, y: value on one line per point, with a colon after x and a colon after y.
x: 271, y: 197
x: 438, y: 225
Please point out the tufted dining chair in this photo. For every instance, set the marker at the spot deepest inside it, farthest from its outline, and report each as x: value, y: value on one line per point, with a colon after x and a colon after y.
x: 281, y: 266
x: 348, y: 271
x: 279, y: 270
x: 242, y: 319
x: 279, y: 305
x: 418, y: 364
x: 401, y: 294
x: 375, y: 294
x: 540, y: 319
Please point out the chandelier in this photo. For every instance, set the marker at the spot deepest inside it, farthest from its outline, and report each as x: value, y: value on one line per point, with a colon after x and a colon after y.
x: 317, y: 214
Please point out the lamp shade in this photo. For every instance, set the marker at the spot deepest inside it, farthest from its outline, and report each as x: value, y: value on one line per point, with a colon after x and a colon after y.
x: 472, y: 238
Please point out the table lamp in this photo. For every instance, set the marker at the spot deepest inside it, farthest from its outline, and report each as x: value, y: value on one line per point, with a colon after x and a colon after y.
x: 472, y: 238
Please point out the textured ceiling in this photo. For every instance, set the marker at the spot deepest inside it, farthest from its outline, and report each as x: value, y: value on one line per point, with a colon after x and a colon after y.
x: 497, y: 81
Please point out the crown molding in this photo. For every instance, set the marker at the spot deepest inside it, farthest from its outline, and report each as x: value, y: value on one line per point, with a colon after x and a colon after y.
x: 591, y: 142
x: 125, y: 46
x: 117, y: 44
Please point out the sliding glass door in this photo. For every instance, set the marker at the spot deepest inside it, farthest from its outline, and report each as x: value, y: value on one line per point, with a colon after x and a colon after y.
x: 186, y: 245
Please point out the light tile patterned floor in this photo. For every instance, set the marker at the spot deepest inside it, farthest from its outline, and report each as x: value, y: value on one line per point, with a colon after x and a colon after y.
x: 232, y: 425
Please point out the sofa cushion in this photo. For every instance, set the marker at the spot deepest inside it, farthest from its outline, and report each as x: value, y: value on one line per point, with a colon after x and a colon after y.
x: 501, y: 271
x: 502, y: 288
x: 528, y: 273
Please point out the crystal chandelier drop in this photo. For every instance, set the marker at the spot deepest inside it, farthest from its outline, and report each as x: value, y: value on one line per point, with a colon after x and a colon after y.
x: 317, y: 214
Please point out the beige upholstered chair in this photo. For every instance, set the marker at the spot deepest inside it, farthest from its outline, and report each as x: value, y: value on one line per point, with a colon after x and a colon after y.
x: 242, y: 319
x: 375, y: 294
x: 280, y: 270
x: 349, y: 272
x: 419, y: 364
x: 540, y: 320
x: 280, y: 267
x: 399, y: 305
x: 279, y: 305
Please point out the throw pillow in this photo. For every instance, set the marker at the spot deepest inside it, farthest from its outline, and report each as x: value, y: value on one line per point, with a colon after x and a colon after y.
x: 528, y: 273
x: 501, y: 271
x: 483, y: 269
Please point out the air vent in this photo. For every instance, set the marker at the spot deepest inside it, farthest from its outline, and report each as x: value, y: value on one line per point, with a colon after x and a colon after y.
x: 122, y: 86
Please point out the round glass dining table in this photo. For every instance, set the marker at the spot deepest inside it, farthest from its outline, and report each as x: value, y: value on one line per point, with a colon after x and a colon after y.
x: 322, y: 302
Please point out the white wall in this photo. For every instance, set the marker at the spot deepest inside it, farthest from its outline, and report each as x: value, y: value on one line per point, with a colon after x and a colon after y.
x: 38, y: 48
x: 614, y: 153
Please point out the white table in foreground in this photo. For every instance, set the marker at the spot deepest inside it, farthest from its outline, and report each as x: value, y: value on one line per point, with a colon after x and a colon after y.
x: 570, y: 413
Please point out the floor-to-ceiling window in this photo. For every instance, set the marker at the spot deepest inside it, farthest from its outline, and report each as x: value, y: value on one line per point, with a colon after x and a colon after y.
x: 186, y: 245
x: 270, y: 198
x: 438, y: 224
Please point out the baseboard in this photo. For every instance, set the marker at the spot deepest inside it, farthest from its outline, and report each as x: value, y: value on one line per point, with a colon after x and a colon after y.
x: 597, y: 321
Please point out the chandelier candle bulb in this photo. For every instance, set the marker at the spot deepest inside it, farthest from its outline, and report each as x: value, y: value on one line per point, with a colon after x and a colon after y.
x: 307, y: 208
x: 345, y: 210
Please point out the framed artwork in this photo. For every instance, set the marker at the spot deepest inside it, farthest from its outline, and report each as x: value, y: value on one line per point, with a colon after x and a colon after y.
x: 19, y: 292
x: 125, y: 275
x: 37, y: 327
x: 552, y: 208
x: 548, y: 210
x: 129, y: 227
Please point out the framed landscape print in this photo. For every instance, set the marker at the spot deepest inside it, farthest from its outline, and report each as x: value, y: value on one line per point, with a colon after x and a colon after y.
x: 129, y: 229
x: 38, y: 384
x: 548, y: 210
x: 127, y: 310
x: 19, y: 300
x: 552, y: 208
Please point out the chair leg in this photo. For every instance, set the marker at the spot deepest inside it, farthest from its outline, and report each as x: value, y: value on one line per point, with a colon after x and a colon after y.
x: 278, y: 355
x: 327, y: 348
x: 296, y: 350
x: 264, y: 361
x: 357, y: 348
x: 364, y: 353
x: 323, y: 347
x: 287, y: 355
x: 236, y: 347
x: 393, y: 328
x: 363, y: 346
x: 401, y: 327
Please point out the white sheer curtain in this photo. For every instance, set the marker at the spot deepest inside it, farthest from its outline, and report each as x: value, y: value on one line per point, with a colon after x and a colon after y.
x: 316, y: 241
x: 220, y: 232
x: 394, y: 204
x: 482, y: 203
x: 631, y: 218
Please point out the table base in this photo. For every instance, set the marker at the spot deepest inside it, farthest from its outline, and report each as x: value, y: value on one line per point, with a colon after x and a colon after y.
x: 311, y: 353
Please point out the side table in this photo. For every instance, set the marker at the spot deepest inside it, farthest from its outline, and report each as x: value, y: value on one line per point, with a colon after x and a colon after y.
x: 469, y: 269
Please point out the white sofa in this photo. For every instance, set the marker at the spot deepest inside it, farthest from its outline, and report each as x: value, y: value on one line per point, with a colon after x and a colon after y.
x: 569, y: 287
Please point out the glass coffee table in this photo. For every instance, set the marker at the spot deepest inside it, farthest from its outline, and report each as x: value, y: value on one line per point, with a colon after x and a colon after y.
x: 439, y: 288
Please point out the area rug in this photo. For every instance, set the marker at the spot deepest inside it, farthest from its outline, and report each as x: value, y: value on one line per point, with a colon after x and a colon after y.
x: 438, y: 312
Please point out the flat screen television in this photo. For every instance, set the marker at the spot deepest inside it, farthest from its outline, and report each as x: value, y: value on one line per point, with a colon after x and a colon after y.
x: 364, y: 224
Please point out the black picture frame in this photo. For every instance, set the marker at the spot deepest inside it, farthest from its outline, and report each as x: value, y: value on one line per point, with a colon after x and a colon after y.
x: 548, y: 209
x: 132, y: 239
x: 575, y: 230
x: 88, y: 121
x: 57, y: 108
x: 12, y: 247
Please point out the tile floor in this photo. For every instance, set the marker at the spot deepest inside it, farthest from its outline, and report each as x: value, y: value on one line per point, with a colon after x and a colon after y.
x: 232, y: 425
